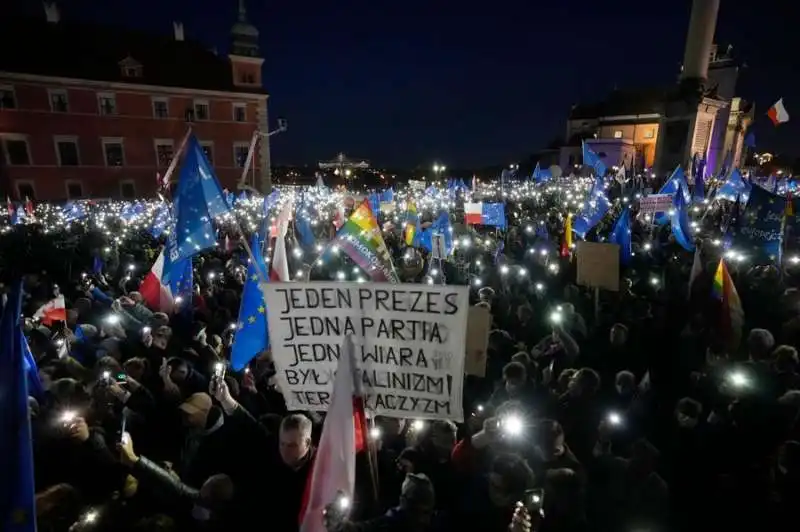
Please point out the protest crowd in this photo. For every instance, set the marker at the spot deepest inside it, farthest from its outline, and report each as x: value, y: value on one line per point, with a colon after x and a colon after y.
x: 667, y: 402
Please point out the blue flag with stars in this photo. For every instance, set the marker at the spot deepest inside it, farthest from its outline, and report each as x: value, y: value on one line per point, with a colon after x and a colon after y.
x: 17, y: 495
x: 590, y: 158
x: 252, y: 335
x: 181, y: 284
x: 761, y: 227
x: 594, y: 209
x: 198, y: 200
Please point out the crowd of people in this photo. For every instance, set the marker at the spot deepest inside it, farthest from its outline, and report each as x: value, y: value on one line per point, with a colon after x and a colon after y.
x: 621, y: 413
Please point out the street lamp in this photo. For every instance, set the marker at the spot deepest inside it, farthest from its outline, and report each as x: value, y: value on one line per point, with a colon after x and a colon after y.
x: 438, y: 169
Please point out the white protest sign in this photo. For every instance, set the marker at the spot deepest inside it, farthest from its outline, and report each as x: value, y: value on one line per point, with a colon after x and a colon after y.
x: 438, y: 248
x: 409, y: 340
x: 655, y: 203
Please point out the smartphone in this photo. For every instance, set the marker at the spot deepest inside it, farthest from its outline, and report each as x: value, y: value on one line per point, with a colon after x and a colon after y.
x: 219, y: 376
x: 121, y: 378
x: 534, y: 501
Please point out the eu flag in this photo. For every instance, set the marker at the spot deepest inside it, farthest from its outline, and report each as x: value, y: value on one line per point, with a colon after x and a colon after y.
x: 199, y: 198
x: 621, y: 235
x: 181, y: 283
x: 252, y: 335
x: 17, y: 506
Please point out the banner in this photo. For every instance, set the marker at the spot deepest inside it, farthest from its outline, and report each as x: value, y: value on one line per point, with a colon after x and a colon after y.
x: 409, y: 339
x: 655, y: 203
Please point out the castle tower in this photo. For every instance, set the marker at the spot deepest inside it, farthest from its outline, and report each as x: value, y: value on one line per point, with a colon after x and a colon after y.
x: 246, y: 66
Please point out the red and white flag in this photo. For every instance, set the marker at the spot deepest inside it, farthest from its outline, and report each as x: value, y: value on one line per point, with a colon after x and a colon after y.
x: 9, y: 207
x: 155, y: 293
x: 343, y: 435
x: 53, y: 310
x: 280, y: 261
x: 777, y: 113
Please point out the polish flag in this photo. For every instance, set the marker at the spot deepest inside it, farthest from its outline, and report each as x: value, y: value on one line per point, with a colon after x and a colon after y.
x: 29, y: 203
x: 343, y: 435
x: 279, y: 270
x: 777, y: 113
x: 9, y: 207
x: 338, y: 218
x: 473, y: 213
x: 53, y: 310
x: 155, y: 293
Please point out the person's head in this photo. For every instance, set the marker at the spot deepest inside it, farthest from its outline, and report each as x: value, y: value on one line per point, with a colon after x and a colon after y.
x: 178, y: 369
x: 391, y: 426
x: 295, y: 439
x: 514, y: 377
x: 136, y: 368
x: 625, y: 383
x: 136, y: 297
x: 786, y: 358
x: 688, y: 412
x: 524, y: 313
x: 585, y: 382
x: 161, y: 336
x: 564, y: 378
x: 195, y: 411
x: 551, y: 442
x: 216, y: 495
x: 509, y: 477
x: 418, y: 498
x: 57, y: 507
x: 443, y: 437
x: 759, y: 344
x: 618, y: 335
x: 159, y: 319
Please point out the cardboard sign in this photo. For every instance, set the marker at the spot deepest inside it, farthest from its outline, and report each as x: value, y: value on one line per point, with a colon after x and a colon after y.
x: 479, y: 326
x: 598, y: 265
x: 409, y: 342
x: 655, y: 203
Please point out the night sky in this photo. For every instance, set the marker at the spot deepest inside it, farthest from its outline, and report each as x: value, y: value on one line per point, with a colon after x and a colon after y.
x: 468, y: 84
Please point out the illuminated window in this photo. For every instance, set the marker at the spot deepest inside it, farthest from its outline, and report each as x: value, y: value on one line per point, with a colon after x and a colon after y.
x: 618, y: 134
x: 649, y: 133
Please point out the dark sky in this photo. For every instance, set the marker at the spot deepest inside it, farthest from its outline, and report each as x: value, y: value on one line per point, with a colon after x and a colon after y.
x: 468, y: 83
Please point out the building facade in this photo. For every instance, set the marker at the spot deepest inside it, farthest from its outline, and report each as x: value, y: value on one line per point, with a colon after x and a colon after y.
x: 99, y: 112
x: 666, y: 127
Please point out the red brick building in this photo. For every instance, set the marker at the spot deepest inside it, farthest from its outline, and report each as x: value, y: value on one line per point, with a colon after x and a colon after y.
x: 90, y: 111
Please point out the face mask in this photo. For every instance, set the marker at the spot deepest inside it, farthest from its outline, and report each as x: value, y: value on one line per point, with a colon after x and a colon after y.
x: 200, y: 514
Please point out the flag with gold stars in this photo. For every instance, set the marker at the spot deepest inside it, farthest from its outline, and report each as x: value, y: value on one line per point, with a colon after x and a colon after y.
x: 760, y: 234
x: 17, y: 507
x: 252, y: 336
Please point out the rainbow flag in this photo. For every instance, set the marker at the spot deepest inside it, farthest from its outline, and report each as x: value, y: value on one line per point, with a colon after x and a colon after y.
x: 360, y: 237
x: 412, y: 221
x: 731, y: 317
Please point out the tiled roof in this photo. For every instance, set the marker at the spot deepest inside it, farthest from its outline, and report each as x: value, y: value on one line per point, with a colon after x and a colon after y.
x: 623, y: 102
x: 92, y: 52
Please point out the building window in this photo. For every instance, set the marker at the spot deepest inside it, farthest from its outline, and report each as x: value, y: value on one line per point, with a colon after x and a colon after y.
x: 160, y: 108
x: 201, y: 110
x: 8, y: 100
x: 25, y: 190
x: 107, y: 103
x: 618, y: 134
x: 67, y: 151
x: 17, y: 153
x: 208, y: 149
x: 127, y: 189
x: 239, y: 112
x: 240, y: 151
x: 164, y: 151
x: 247, y: 77
x: 58, y: 100
x: 113, y: 152
x: 649, y: 133
x: 74, y: 190
x: 132, y: 72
